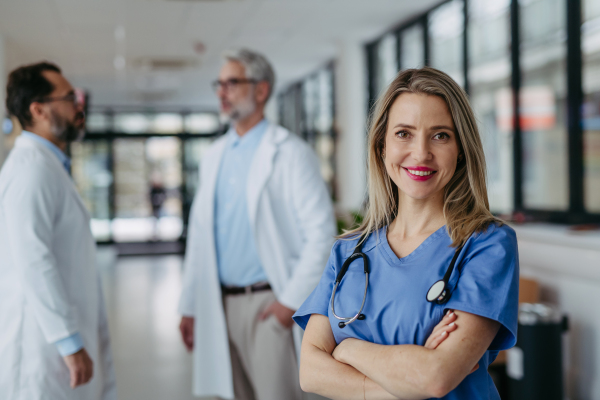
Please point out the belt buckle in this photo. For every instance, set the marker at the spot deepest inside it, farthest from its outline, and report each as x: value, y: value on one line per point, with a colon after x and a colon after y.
x: 248, y: 289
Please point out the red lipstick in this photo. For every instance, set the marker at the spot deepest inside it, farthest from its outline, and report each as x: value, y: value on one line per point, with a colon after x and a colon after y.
x: 416, y: 177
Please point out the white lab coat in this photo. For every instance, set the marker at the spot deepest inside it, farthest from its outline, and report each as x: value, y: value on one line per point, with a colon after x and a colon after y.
x: 49, y: 285
x: 292, y: 218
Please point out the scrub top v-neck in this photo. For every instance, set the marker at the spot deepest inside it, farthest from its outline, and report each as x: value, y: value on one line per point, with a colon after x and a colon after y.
x: 484, y: 282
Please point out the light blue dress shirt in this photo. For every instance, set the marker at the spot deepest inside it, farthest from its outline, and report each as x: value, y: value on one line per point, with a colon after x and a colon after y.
x: 237, y: 257
x: 73, y: 343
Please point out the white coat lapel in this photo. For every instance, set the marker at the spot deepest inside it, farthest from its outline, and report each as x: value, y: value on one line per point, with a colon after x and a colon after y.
x: 209, y: 184
x: 262, y: 167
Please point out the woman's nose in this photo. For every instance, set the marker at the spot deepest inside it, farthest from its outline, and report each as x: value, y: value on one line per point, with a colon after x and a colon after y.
x: 421, y: 150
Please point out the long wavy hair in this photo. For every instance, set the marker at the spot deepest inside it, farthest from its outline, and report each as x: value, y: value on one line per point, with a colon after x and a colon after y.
x: 466, y: 206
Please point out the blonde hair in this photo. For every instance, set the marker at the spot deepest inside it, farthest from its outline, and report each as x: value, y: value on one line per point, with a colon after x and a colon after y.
x: 466, y: 206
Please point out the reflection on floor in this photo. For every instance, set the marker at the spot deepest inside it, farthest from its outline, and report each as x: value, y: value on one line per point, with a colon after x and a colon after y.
x: 141, y: 298
x: 141, y: 295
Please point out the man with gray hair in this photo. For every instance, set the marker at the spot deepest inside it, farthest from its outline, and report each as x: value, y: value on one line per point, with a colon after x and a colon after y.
x: 260, y: 233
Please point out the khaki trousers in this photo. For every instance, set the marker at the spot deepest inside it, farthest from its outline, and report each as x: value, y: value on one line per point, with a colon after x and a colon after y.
x: 263, y: 357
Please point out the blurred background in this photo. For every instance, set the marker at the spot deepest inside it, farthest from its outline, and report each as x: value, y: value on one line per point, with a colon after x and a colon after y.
x: 530, y: 67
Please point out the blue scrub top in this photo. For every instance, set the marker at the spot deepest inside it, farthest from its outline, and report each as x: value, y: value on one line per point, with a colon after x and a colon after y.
x: 485, y: 282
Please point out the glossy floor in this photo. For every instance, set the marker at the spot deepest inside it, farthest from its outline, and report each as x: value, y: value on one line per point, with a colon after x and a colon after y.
x: 141, y: 295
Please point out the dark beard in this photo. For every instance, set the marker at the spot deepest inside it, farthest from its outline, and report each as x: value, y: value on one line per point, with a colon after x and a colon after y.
x: 64, y: 130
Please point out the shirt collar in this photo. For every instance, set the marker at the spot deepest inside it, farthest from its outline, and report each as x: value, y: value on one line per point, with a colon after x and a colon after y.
x: 62, y: 157
x: 252, y: 136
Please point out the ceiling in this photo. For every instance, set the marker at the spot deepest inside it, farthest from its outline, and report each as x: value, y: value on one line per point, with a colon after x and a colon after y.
x: 165, y: 53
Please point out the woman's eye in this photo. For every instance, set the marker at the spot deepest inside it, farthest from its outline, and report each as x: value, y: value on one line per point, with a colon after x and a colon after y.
x: 402, y: 134
x: 442, y: 136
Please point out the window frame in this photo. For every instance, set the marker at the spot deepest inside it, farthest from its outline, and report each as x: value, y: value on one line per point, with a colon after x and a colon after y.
x: 576, y: 212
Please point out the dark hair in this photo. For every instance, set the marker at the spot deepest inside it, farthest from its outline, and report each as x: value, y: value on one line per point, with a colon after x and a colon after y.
x: 27, y: 84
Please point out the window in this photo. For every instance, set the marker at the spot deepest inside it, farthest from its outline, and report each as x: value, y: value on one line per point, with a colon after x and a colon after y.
x: 137, y: 171
x: 491, y: 94
x: 543, y: 104
x: 590, y: 42
x: 446, y: 27
x: 525, y: 65
x: 307, y: 108
x: 93, y: 178
x: 412, y: 47
x: 386, y: 61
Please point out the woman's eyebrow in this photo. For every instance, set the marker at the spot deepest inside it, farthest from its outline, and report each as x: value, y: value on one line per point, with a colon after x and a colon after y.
x: 404, y: 126
x: 433, y: 128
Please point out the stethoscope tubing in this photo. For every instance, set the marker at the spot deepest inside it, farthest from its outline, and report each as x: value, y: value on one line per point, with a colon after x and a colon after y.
x: 438, y: 293
x: 355, y: 317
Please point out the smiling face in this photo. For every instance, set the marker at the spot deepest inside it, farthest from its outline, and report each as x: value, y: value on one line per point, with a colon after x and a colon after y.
x: 421, y: 145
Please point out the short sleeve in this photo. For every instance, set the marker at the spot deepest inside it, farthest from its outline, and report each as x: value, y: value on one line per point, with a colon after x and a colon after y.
x: 488, y: 283
x: 318, y: 301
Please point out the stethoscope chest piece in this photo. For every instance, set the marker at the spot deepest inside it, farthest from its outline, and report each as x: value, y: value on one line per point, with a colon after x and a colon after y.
x: 437, y: 292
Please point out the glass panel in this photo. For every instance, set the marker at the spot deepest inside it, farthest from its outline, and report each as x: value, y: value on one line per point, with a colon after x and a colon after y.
x: 133, y: 211
x: 92, y: 176
x: 201, y: 123
x: 310, y: 103
x: 147, y: 189
x: 386, y: 61
x: 97, y: 123
x: 290, y: 109
x: 543, y: 104
x: 132, y: 123
x: 591, y: 106
x: 325, y: 144
x: 491, y: 98
x: 164, y: 166
x: 167, y: 123
x: 324, y: 122
x: 412, y: 47
x: 446, y: 25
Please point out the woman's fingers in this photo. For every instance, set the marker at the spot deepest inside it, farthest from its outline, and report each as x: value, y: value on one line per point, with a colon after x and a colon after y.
x: 436, y: 339
x: 449, y: 318
x: 441, y: 331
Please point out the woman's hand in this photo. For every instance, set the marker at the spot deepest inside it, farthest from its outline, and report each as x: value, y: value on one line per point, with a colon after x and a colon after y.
x: 441, y: 331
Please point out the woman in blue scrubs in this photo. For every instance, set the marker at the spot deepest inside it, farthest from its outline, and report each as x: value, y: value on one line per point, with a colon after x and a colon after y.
x: 427, y: 200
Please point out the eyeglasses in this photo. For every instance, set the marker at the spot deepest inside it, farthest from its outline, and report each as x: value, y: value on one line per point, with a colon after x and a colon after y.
x: 230, y: 83
x: 71, y: 98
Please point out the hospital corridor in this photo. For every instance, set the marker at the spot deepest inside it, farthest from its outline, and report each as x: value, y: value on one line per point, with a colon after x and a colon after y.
x: 299, y: 200
x: 141, y: 295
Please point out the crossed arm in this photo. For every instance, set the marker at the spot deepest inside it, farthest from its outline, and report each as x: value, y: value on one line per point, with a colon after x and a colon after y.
x: 356, y: 369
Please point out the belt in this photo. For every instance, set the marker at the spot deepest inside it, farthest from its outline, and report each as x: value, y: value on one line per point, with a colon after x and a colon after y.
x: 257, y: 287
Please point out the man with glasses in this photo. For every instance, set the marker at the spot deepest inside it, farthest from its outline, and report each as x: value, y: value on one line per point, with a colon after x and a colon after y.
x: 260, y: 232
x: 54, y: 342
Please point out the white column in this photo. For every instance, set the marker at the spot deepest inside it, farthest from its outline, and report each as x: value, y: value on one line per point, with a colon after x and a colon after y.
x: 351, y: 117
x: 3, y: 74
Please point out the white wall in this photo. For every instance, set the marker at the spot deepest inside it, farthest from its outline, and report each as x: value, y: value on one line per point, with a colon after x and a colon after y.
x: 567, y: 265
x: 3, y: 73
x: 351, y: 116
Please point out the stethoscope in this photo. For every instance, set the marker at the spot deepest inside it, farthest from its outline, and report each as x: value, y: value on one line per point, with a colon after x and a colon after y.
x: 438, y: 292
